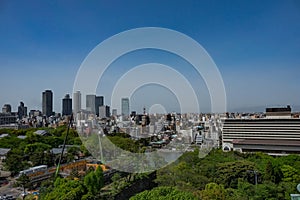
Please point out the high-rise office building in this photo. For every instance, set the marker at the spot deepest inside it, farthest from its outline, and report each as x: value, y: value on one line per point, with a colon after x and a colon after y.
x: 114, y: 112
x: 125, y: 106
x: 104, y: 111
x: 22, y: 110
x: 76, y: 102
x: 47, y: 108
x: 67, y: 105
x: 99, y: 101
x: 6, y: 108
x: 91, y: 103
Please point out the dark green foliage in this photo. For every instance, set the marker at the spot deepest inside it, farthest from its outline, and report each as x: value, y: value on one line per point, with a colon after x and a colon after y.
x: 35, y: 149
x: 164, y: 193
x: 23, y: 181
x: 213, y: 191
x: 94, y: 181
x: 269, y: 174
x: 14, y: 161
x: 11, y: 142
x: 125, y: 143
x: 231, y: 175
x: 65, y: 189
x: 38, y: 153
x: 228, y: 173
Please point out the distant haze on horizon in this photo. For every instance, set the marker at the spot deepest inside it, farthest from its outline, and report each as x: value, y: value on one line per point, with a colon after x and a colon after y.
x: 255, y: 45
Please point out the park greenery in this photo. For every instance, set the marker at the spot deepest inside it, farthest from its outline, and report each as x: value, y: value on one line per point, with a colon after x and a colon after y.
x: 35, y: 149
x: 229, y: 176
x: 86, y: 188
x: 220, y: 175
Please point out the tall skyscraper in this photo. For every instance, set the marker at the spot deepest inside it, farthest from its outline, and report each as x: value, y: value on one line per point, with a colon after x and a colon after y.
x: 22, y: 110
x: 104, y: 111
x: 114, y: 112
x: 99, y: 101
x: 125, y: 106
x: 67, y: 105
x: 47, y: 103
x: 91, y: 103
x: 76, y: 102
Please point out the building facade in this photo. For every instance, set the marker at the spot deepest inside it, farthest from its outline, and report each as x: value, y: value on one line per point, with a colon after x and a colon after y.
x: 47, y: 101
x: 67, y: 105
x: 99, y: 101
x: 104, y: 111
x: 6, y: 108
x: 22, y: 110
x: 125, y: 106
x: 76, y: 102
x: 277, y: 133
x: 114, y: 112
x: 91, y: 103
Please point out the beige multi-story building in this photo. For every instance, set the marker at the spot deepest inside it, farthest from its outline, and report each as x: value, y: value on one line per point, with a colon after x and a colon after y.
x: 275, y: 134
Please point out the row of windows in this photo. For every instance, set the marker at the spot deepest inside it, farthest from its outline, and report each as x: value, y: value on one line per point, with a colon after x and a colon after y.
x: 263, y: 125
x: 260, y: 131
x: 260, y: 137
x: 265, y: 122
x: 260, y: 134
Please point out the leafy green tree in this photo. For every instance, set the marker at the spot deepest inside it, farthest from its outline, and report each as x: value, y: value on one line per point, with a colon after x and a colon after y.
x: 36, y: 153
x: 65, y: 189
x: 228, y: 173
x: 267, y: 190
x: 94, y: 181
x: 72, y: 153
x: 116, y: 181
x: 269, y: 172
x: 53, y: 141
x: 125, y: 143
x: 11, y: 142
x: 31, y: 137
x: 213, y: 191
x: 185, y: 174
x: 290, y: 174
x: 284, y: 189
x: 23, y: 181
x: 164, y: 193
x: 14, y: 161
x: 245, y: 188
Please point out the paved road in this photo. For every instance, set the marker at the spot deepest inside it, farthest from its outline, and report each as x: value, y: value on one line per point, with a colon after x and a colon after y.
x: 8, y: 189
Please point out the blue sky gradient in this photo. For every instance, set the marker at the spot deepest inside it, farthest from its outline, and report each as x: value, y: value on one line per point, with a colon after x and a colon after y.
x: 255, y: 44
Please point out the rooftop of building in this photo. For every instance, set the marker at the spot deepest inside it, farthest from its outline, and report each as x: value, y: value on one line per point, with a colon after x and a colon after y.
x: 279, y: 109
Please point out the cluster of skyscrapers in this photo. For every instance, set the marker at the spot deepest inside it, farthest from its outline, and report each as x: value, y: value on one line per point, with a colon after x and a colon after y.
x: 94, y: 104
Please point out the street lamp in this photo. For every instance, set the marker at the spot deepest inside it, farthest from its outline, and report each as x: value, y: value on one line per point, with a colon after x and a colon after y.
x: 255, y: 174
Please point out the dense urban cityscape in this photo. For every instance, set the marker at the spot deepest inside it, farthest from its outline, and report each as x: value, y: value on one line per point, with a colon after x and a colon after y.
x: 150, y: 100
x: 275, y: 132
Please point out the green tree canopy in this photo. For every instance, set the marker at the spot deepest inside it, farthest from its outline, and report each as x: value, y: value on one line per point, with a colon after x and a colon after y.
x: 164, y: 193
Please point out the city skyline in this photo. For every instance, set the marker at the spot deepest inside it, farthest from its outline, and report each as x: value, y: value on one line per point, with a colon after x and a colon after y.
x: 69, y: 105
x: 254, y: 44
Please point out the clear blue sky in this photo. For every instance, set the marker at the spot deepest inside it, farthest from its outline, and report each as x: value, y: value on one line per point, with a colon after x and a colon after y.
x: 255, y: 44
